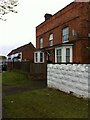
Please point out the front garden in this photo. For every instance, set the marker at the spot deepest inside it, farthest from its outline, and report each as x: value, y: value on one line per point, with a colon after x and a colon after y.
x: 24, y: 98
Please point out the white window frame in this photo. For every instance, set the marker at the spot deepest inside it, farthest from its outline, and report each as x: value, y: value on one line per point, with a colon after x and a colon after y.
x: 41, y: 42
x: 65, y: 34
x: 38, y: 57
x: 51, y: 39
x: 59, y: 54
x: 63, y: 48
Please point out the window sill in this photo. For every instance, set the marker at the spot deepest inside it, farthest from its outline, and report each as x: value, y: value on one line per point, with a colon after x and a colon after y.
x: 65, y: 41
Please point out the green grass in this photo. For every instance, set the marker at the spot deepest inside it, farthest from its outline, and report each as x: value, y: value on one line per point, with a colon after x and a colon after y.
x: 46, y: 103
x: 18, y: 79
x: 14, y: 78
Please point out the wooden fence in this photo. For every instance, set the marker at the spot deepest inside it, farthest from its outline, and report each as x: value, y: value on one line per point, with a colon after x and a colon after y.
x: 36, y: 71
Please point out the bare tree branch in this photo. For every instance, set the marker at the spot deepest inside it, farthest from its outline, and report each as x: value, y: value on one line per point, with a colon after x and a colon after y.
x: 7, y: 6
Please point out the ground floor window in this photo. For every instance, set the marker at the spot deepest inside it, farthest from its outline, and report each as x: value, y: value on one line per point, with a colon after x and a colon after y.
x: 41, y: 57
x: 67, y: 54
x: 59, y: 55
x: 38, y: 57
x: 63, y: 54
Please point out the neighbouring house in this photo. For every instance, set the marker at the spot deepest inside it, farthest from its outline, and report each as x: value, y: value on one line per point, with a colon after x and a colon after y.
x: 65, y: 36
x: 23, y: 53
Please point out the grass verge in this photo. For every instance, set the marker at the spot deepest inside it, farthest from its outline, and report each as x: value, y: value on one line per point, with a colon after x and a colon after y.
x: 46, y: 103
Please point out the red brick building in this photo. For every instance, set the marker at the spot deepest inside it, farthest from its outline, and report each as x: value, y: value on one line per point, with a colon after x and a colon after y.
x: 65, y: 36
x: 23, y: 53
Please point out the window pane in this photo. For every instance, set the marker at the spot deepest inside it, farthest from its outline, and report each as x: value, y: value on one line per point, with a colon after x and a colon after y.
x: 36, y: 54
x: 67, y: 54
x: 51, y: 42
x: 59, y: 59
x: 41, y: 57
x: 36, y: 57
x: 59, y: 55
x: 51, y: 37
x: 65, y: 37
x: 67, y: 59
x: 67, y: 51
x: 41, y: 54
x: 59, y: 52
x: 41, y: 43
x: 65, y: 34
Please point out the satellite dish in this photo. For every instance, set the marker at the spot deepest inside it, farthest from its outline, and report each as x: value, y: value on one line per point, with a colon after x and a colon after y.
x: 74, y: 33
x: 89, y: 35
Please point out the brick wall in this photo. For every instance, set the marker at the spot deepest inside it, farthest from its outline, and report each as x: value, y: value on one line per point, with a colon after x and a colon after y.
x: 70, y: 78
x: 28, y: 53
x: 71, y: 16
x: 76, y: 16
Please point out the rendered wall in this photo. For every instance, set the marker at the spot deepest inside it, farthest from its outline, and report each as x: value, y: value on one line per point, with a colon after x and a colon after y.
x: 69, y: 78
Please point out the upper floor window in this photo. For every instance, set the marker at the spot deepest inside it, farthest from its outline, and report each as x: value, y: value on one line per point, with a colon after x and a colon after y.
x: 41, y: 43
x: 65, y: 34
x: 51, y: 39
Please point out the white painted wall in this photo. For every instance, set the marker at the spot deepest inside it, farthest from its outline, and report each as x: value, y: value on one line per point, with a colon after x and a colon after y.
x: 15, y: 55
x: 70, y: 78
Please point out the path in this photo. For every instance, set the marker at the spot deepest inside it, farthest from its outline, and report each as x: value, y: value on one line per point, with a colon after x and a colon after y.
x: 11, y: 90
x: 20, y: 89
x: 0, y: 96
x: 0, y: 106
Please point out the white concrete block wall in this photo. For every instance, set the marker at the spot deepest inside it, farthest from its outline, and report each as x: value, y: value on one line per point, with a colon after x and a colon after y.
x: 70, y: 78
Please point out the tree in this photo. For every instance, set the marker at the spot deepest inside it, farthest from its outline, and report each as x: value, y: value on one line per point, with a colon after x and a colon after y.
x: 3, y: 57
x: 7, y: 6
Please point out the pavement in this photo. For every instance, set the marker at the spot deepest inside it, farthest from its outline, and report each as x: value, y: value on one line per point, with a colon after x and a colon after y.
x: 0, y: 96
x: 0, y: 106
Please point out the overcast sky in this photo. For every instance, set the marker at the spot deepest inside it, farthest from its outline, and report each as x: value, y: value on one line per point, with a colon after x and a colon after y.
x: 19, y: 29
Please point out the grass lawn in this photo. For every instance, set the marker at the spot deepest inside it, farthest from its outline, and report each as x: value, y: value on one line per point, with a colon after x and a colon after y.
x: 18, y: 79
x: 43, y: 103
x: 14, y: 78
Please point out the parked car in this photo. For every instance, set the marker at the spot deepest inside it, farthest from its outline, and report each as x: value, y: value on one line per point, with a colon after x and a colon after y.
x: 3, y: 63
x: 4, y: 67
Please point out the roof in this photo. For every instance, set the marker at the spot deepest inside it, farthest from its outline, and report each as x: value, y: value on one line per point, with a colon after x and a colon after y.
x: 60, y: 11
x: 20, y: 49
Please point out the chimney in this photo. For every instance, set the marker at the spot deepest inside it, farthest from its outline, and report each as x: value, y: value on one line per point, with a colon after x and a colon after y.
x: 47, y: 16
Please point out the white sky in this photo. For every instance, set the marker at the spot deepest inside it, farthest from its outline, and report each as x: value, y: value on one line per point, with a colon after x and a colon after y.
x: 19, y: 29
